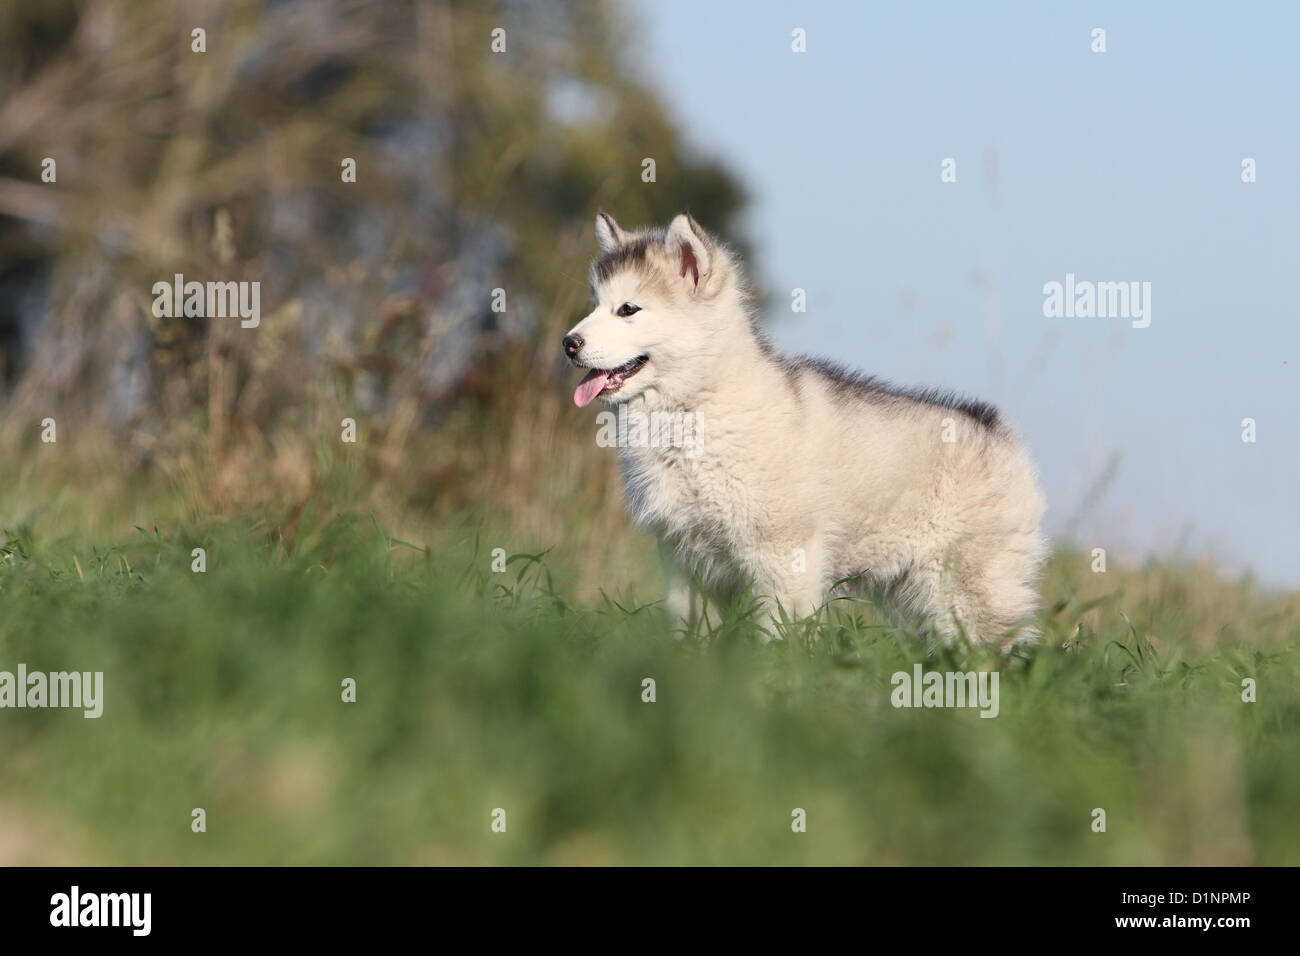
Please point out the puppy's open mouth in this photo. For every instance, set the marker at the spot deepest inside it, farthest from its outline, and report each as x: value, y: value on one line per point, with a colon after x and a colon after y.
x: 606, y: 381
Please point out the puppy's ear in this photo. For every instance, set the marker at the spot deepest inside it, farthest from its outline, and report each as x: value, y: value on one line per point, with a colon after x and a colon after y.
x: 609, y: 235
x: 692, y: 250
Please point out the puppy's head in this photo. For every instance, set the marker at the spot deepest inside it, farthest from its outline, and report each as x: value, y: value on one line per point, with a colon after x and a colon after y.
x: 656, y: 318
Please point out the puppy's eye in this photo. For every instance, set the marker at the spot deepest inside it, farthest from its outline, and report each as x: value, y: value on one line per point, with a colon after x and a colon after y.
x: 627, y: 308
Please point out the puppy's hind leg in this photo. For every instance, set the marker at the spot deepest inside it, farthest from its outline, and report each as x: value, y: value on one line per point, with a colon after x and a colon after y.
x: 946, y: 605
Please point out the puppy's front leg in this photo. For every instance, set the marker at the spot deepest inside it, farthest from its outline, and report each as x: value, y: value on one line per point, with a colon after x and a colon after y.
x: 681, y: 600
x: 795, y: 586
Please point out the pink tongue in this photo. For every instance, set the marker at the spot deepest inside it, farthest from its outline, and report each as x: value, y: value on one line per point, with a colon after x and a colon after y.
x: 589, y: 387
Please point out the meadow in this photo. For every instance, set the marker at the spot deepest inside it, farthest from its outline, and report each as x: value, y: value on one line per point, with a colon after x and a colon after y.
x: 480, y: 690
x: 415, y: 210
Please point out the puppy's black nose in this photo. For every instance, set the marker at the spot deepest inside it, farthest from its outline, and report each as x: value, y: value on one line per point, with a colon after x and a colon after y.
x: 572, y: 345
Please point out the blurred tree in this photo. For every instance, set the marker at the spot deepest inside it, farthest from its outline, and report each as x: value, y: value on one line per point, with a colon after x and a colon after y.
x: 475, y: 170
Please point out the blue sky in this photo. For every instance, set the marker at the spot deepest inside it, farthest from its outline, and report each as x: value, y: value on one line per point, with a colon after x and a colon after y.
x: 1115, y: 166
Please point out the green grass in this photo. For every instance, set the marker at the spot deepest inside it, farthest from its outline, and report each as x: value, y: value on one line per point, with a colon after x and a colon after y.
x: 478, y: 690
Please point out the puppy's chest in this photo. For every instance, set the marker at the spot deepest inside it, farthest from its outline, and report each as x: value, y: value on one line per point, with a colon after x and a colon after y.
x: 686, y: 494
